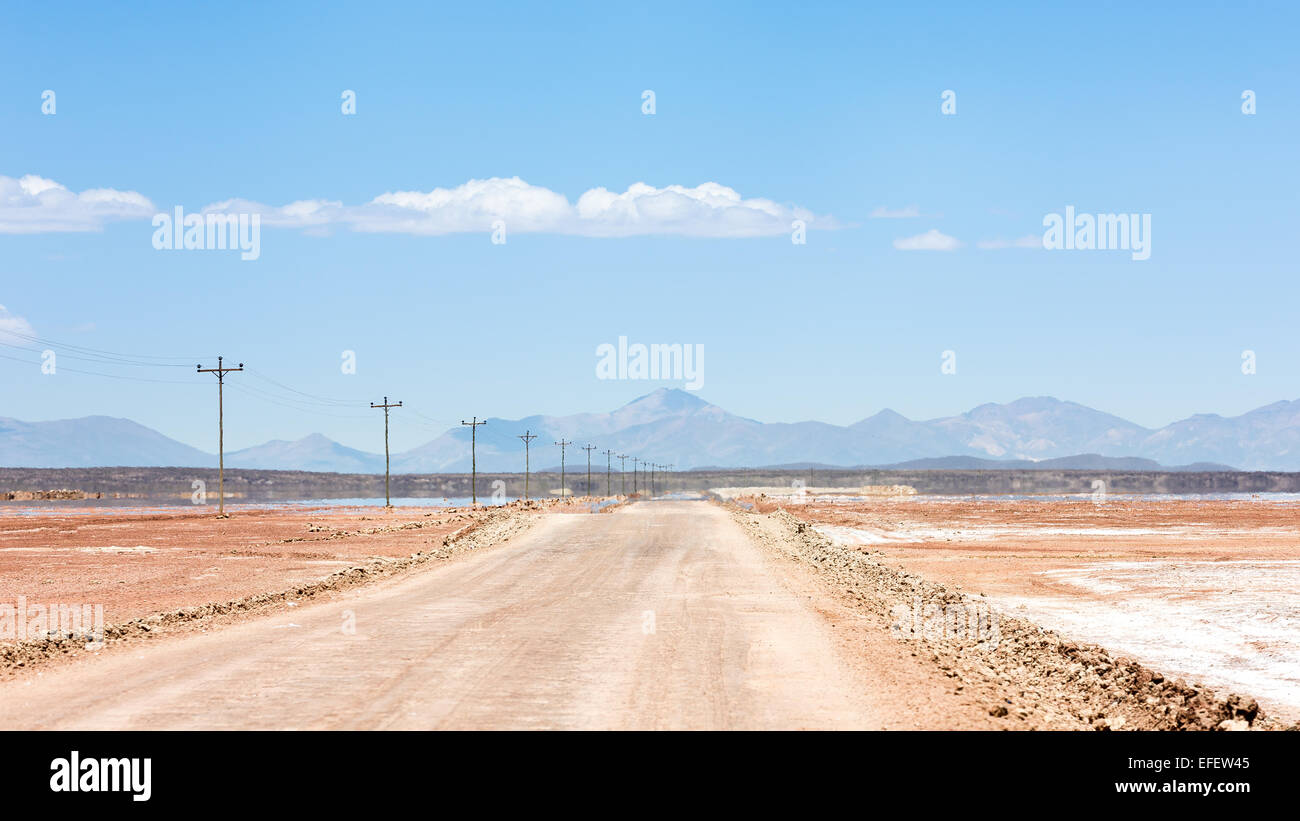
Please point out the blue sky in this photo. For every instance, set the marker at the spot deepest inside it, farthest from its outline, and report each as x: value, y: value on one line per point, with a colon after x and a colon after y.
x: 831, y: 111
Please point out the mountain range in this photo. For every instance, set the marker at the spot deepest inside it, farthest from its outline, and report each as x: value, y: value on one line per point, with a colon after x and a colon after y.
x: 673, y: 426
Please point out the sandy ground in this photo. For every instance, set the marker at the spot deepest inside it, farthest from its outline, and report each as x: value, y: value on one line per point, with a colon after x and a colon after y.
x: 663, y: 614
x: 140, y: 561
x: 1205, y: 590
x: 658, y: 615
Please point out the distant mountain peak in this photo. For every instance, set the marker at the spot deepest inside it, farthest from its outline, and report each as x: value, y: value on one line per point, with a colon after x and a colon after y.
x: 677, y: 426
x: 1023, y: 404
x: 887, y: 413
x: 668, y: 399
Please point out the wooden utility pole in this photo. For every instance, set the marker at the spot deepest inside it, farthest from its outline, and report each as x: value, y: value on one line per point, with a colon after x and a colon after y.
x: 388, y: 502
x: 668, y: 468
x: 589, y: 449
x: 563, y: 444
x: 609, y: 468
x: 528, y: 436
x: 221, y: 430
x: 622, y: 472
x: 473, y: 458
x: 635, y: 459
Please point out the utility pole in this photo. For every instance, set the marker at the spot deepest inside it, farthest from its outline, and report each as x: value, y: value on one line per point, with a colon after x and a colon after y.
x: 652, y: 479
x: 669, y: 468
x: 527, y: 436
x: 221, y: 430
x: 473, y: 457
x: 563, y: 444
x: 622, y: 472
x: 635, y: 459
x: 387, y: 501
x: 609, y: 462
x: 589, y: 448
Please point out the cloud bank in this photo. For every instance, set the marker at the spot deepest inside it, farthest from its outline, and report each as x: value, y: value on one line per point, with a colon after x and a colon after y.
x: 707, y: 210
x: 34, y: 204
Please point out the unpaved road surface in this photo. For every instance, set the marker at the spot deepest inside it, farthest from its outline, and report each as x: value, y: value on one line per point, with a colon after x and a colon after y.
x: 660, y: 615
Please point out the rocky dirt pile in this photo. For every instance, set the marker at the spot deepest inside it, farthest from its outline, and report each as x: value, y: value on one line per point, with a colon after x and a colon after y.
x: 61, y: 494
x: 1033, y: 677
x: 492, y: 526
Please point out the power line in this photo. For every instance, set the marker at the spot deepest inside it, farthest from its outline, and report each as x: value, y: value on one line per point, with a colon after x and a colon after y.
x: 221, y: 429
x: 563, y: 444
x: 442, y: 422
x: 50, y: 343
x: 293, y: 404
x: 100, y: 359
x: 105, y: 375
x: 473, y: 457
x: 589, y: 448
x: 528, y: 436
x: 322, y: 399
x: 388, y: 502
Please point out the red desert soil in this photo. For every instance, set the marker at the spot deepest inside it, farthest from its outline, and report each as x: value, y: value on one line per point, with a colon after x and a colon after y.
x: 137, y: 563
x: 995, y: 546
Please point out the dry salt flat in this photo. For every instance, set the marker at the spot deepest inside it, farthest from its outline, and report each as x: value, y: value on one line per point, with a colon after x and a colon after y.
x: 1228, y: 625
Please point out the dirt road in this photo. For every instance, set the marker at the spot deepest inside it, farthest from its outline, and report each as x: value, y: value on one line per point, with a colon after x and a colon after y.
x: 660, y: 615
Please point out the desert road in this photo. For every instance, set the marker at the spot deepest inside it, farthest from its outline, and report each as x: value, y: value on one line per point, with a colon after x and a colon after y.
x: 660, y: 615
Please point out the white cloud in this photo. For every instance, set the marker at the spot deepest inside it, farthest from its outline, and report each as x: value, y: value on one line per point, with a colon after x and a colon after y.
x: 10, y: 325
x: 883, y: 213
x: 1028, y: 241
x: 707, y: 210
x: 32, y: 204
x: 931, y: 240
